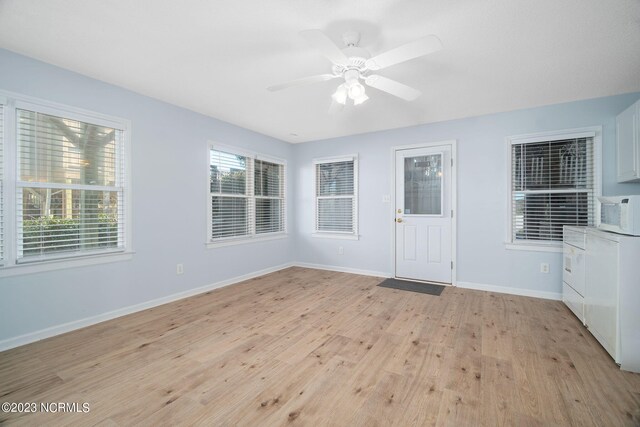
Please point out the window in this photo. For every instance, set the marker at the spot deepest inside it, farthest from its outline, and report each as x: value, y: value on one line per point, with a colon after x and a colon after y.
x: 67, y: 191
x: 553, y: 183
x: 247, y: 195
x: 336, y: 182
x: 269, y: 189
x: 230, y: 193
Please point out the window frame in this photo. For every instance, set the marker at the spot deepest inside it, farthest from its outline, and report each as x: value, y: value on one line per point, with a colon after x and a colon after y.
x: 252, y: 236
x: 594, y: 132
x: 10, y: 265
x: 353, y: 235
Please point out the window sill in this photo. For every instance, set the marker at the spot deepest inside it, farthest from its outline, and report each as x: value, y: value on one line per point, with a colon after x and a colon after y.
x: 60, y: 264
x: 338, y: 236
x: 244, y: 240
x: 533, y: 247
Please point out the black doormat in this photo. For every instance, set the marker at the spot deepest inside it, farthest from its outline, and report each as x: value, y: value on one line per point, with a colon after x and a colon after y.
x: 405, y: 285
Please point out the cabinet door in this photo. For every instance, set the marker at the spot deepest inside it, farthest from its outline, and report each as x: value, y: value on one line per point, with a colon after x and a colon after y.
x: 601, y: 294
x: 627, y: 144
x: 571, y: 274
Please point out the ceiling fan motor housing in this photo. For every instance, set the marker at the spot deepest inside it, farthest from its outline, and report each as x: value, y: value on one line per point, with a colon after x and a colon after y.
x: 351, y: 76
x: 357, y: 57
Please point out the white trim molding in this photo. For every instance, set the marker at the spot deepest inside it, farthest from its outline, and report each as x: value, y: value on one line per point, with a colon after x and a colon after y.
x: 339, y: 236
x: 52, y: 331
x: 453, y: 144
x: 532, y: 247
x: 557, y: 296
x: 338, y: 269
x: 246, y: 240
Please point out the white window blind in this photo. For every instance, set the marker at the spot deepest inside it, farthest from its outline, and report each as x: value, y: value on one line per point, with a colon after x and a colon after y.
x: 69, y: 187
x: 247, y: 196
x: 336, y: 198
x: 269, y: 193
x: 231, y: 191
x: 552, y: 184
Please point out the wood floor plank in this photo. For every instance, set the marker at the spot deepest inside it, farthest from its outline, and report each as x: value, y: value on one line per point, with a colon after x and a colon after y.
x: 496, y: 335
x: 536, y: 391
x: 422, y: 403
x: 384, y: 404
x: 499, y: 403
x: 276, y: 392
x: 311, y: 347
x: 458, y: 409
x: 310, y: 407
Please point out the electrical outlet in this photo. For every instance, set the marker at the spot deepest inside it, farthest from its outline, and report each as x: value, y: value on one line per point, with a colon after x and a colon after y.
x: 386, y: 198
x: 340, y: 250
x: 544, y: 267
x: 179, y: 268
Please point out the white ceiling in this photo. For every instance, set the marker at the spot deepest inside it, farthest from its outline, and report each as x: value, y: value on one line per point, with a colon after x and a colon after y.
x: 217, y: 57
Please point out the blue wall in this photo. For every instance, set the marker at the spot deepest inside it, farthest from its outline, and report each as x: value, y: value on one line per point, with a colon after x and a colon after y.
x: 169, y: 174
x: 482, y: 192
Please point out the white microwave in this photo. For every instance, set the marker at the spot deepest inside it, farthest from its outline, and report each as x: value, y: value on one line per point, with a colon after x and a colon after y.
x: 620, y: 214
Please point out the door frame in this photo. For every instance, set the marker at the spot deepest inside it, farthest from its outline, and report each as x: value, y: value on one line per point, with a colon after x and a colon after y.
x: 452, y: 143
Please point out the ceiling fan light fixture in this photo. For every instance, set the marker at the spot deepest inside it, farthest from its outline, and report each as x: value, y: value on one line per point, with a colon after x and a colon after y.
x: 356, y: 90
x: 340, y: 95
x: 359, y: 100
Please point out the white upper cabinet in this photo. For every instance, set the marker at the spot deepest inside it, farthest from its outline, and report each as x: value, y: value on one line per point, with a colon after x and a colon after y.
x: 628, y: 144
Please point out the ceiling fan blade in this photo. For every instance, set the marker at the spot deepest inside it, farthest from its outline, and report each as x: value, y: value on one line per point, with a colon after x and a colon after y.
x: 302, y: 81
x: 393, y: 87
x: 325, y: 45
x: 420, y: 47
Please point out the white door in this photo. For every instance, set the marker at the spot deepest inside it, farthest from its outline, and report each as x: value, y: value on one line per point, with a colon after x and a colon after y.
x: 423, y: 214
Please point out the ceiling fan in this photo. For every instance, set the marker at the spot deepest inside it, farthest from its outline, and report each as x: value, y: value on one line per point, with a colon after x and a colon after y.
x: 355, y: 65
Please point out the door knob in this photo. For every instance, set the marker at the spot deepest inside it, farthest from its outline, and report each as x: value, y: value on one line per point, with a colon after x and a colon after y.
x: 398, y: 219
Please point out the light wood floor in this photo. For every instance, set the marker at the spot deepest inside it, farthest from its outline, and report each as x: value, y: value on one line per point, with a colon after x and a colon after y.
x: 310, y: 347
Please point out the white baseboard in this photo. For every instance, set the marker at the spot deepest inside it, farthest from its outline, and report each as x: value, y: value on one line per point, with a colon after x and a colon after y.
x: 513, y: 291
x: 13, y: 342
x: 342, y: 269
x: 466, y: 285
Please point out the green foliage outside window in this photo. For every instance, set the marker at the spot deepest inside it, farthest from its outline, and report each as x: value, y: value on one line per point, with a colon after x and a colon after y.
x: 54, y: 234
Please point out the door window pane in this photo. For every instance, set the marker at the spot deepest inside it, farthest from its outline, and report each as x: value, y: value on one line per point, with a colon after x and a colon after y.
x: 423, y: 185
